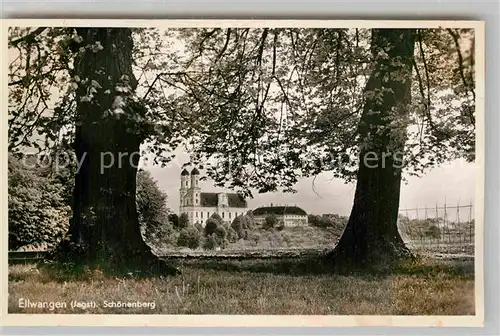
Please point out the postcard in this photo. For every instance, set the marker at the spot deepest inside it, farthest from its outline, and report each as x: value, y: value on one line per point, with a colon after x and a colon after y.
x: 243, y: 172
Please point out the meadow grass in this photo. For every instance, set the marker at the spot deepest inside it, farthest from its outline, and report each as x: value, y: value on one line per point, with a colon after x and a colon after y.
x: 297, y: 287
x: 289, y: 237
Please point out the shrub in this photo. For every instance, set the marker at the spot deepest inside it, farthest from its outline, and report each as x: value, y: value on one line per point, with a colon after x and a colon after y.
x: 189, y: 237
x: 241, y: 226
x: 232, y: 236
x: 281, y: 225
x: 328, y: 221
x: 249, y: 214
x: 220, y: 232
x: 152, y: 210
x: 433, y: 232
x: 237, y: 225
x: 210, y: 226
x: 210, y: 242
x: 161, y: 236
x: 254, y: 237
x: 287, y: 239
x: 249, y: 221
x: 217, y: 218
x: 221, y: 235
x: 418, y: 228
x: 174, y: 220
x: 270, y: 222
x: 37, y: 207
x: 183, y: 221
x: 199, y: 227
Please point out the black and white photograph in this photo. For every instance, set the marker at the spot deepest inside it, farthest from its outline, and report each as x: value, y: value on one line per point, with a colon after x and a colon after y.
x: 244, y: 168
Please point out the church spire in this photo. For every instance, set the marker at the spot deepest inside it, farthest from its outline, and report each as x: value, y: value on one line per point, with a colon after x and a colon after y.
x: 195, y: 186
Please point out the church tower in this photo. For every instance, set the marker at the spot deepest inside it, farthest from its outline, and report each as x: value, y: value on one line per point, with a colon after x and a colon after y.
x: 184, y: 188
x: 195, y: 187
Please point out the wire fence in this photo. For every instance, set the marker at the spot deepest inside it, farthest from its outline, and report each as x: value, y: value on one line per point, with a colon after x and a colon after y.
x: 448, y: 229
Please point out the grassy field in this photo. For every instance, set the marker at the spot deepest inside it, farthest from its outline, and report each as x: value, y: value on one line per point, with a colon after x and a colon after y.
x: 251, y: 287
x: 259, y: 239
x: 289, y: 237
x: 306, y: 237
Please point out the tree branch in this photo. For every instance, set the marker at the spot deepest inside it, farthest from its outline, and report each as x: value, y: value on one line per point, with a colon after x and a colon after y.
x: 201, y: 47
x: 223, y: 50
x: 424, y: 98
x: 422, y: 54
x: 456, y: 38
x: 29, y: 38
x: 261, y: 45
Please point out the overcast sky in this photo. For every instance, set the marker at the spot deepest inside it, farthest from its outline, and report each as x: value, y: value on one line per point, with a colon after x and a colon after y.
x: 453, y: 182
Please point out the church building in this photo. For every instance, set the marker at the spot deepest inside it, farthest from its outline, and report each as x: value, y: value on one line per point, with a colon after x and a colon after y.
x: 199, y: 206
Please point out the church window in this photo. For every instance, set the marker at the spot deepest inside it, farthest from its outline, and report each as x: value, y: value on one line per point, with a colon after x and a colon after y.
x: 223, y: 215
x: 196, y: 214
x: 202, y: 215
x: 229, y: 215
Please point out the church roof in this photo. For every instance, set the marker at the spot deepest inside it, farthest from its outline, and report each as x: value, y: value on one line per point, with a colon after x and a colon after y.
x: 279, y: 210
x: 195, y: 171
x: 234, y: 200
x: 184, y: 172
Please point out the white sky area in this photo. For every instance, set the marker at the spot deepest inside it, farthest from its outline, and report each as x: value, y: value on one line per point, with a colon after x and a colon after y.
x: 453, y: 183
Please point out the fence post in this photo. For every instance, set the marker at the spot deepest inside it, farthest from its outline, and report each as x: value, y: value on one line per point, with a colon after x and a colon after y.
x: 457, y: 237
x: 441, y: 228
x: 407, y: 228
x: 446, y: 222
x: 470, y: 223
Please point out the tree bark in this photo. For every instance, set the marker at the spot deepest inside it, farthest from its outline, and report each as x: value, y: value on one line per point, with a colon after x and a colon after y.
x: 105, y: 226
x: 371, y: 237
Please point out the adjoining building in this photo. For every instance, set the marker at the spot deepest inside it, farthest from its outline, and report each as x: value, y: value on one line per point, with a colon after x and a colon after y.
x: 199, y: 206
x: 290, y: 215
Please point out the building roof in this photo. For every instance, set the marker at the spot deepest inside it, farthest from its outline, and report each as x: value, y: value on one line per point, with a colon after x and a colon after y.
x: 234, y: 200
x: 195, y: 171
x: 279, y: 210
x: 184, y: 172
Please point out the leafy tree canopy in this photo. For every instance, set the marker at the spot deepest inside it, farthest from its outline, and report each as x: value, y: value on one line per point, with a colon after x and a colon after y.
x: 259, y: 107
x: 183, y: 221
x: 38, y: 212
x: 216, y: 217
x: 152, y: 209
x: 270, y: 221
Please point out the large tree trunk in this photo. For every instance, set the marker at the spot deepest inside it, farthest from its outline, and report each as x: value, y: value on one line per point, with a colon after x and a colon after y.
x: 371, y: 237
x: 105, y: 226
